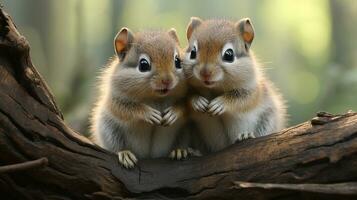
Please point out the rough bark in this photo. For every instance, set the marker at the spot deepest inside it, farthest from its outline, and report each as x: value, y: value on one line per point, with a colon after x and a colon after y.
x: 42, y: 158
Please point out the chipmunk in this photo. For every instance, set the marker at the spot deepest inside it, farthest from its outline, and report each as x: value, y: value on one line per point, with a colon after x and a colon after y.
x: 140, y: 108
x: 232, y: 99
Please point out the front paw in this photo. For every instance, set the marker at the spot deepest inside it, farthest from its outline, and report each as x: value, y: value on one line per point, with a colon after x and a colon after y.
x: 170, y: 116
x: 178, y: 154
x: 153, y: 116
x: 127, y: 159
x: 216, y: 107
x: 199, y: 104
x: 244, y: 136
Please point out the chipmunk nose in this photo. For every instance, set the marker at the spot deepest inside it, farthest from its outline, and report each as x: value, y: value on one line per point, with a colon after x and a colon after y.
x: 166, y: 82
x: 206, y: 74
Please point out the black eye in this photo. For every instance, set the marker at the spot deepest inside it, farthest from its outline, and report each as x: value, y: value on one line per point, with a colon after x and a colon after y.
x: 228, y: 55
x: 193, y: 53
x: 144, y: 65
x: 177, y: 62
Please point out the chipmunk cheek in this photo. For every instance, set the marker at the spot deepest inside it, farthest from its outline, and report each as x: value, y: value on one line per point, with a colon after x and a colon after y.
x: 196, y: 72
x: 175, y: 82
x: 219, y: 75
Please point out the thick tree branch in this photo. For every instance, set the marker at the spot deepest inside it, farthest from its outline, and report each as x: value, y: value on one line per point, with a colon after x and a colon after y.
x: 323, y: 151
x: 337, y: 188
x: 24, y: 166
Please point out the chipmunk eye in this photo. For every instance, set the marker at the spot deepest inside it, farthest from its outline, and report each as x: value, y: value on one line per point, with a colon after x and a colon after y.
x: 177, y: 62
x: 228, y: 56
x: 144, y: 65
x: 193, y: 53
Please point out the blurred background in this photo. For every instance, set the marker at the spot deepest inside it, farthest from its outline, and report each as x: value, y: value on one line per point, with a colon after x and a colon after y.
x: 308, y: 48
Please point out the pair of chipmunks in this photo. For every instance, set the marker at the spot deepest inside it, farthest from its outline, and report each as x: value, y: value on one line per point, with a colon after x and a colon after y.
x: 156, y: 100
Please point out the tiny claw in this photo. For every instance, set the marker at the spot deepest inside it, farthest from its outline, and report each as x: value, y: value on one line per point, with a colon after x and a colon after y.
x: 245, y: 136
x: 127, y: 159
x: 216, y: 107
x: 169, y: 117
x: 153, y: 116
x: 200, y: 104
x: 178, y: 154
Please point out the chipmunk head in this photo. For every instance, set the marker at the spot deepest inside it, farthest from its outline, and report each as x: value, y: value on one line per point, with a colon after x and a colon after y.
x: 149, y: 63
x: 218, y: 54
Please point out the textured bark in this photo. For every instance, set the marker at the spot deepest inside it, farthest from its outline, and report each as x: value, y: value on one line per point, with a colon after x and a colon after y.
x: 42, y: 158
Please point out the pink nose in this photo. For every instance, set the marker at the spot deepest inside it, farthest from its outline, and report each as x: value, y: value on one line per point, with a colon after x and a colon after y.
x: 205, y: 74
x: 166, y: 82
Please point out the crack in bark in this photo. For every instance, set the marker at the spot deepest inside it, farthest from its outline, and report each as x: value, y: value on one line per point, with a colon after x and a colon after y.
x: 343, y: 140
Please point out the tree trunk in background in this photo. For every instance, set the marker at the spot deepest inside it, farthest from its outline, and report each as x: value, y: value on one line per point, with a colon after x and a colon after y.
x: 42, y: 158
x: 81, y: 73
x: 343, y: 60
x: 343, y: 34
x: 40, y: 22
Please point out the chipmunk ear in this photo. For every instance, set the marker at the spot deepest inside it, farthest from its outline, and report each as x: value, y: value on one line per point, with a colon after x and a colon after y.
x: 246, y: 31
x: 122, y: 42
x: 173, y: 35
x: 194, y: 23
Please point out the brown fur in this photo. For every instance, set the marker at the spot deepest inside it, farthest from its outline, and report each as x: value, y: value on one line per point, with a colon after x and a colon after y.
x: 133, y: 116
x: 236, y: 93
x: 159, y: 45
x: 212, y: 35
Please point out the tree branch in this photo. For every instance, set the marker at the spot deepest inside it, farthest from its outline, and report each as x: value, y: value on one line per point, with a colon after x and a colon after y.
x: 337, y: 188
x: 39, y: 163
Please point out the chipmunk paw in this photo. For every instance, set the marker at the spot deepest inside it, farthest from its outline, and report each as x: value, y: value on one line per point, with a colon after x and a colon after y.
x: 216, y: 107
x: 127, y: 159
x: 200, y: 104
x: 244, y: 136
x: 178, y: 154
